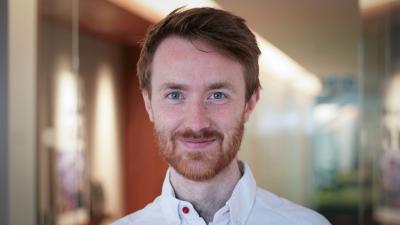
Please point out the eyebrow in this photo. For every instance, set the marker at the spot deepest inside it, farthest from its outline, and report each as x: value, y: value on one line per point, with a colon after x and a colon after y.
x: 213, y: 86
x: 174, y: 86
x: 220, y: 85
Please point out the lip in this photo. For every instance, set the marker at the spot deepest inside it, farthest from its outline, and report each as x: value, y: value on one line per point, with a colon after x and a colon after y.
x: 197, y: 143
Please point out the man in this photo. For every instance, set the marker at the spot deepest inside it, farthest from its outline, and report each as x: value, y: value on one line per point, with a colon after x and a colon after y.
x: 198, y: 72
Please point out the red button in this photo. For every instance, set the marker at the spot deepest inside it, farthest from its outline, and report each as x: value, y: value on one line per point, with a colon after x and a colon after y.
x: 185, y: 210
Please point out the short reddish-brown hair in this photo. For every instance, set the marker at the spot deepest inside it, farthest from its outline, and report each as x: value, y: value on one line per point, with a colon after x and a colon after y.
x: 221, y: 29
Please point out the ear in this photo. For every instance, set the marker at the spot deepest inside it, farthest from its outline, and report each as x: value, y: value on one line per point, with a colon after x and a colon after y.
x: 251, y: 104
x: 147, y: 104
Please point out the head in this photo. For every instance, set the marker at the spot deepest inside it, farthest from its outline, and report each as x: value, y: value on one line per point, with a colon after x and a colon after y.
x: 198, y: 71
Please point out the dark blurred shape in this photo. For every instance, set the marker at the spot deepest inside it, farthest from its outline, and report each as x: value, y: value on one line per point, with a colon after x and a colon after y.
x: 380, y: 122
x: 97, y: 201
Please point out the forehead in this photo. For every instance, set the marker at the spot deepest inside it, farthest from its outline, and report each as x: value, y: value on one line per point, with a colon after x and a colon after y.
x: 195, y: 61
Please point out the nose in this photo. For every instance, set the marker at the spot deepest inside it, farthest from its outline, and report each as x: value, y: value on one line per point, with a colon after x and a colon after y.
x: 197, y: 116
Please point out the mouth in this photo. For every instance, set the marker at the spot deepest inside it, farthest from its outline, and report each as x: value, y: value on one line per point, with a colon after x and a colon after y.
x: 192, y: 143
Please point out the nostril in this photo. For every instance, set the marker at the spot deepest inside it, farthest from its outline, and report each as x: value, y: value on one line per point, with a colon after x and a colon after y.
x: 197, y: 123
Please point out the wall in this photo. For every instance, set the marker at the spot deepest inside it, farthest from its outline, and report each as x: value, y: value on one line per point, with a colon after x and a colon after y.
x: 3, y: 113
x: 22, y: 22
x: 322, y: 36
x: 144, y: 168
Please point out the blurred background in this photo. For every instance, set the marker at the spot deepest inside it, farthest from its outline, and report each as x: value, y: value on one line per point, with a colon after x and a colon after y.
x: 77, y: 147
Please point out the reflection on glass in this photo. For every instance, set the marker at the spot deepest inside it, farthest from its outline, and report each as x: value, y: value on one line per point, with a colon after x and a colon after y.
x: 381, y: 120
x: 335, y: 150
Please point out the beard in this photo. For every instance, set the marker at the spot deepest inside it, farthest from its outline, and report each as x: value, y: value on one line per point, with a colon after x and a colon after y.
x: 203, y: 164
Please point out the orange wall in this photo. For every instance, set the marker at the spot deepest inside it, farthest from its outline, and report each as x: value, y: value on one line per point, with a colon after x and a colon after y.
x: 143, y: 167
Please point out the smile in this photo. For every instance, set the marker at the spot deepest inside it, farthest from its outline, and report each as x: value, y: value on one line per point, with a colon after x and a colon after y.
x: 197, y: 143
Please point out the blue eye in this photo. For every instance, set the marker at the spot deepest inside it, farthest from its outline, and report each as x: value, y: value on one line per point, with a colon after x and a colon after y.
x: 218, y: 95
x: 175, y: 95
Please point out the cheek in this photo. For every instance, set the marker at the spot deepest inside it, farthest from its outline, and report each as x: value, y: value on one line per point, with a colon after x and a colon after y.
x: 166, y: 120
x: 227, y: 120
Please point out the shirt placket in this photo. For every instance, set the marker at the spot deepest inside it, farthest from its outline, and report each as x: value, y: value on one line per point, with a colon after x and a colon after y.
x: 221, y: 217
x: 189, y: 215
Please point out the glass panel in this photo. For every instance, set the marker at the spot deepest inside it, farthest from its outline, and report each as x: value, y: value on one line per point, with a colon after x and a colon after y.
x: 381, y: 124
x: 62, y: 186
x: 335, y: 150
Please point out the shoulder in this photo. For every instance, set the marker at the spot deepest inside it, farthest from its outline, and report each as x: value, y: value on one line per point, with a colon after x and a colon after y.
x: 148, y: 215
x: 282, y: 211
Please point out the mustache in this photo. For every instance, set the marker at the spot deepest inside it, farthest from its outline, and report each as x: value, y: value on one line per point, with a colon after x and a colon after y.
x: 204, y: 133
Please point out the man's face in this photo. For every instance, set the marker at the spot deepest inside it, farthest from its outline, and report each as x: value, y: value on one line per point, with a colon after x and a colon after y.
x: 197, y: 103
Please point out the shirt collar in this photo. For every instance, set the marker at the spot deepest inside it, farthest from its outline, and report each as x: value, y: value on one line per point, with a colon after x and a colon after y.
x: 169, y: 203
x: 243, y: 196
x: 240, y: 203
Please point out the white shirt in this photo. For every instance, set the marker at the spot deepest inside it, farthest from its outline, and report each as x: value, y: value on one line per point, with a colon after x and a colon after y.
x: 248, y: 204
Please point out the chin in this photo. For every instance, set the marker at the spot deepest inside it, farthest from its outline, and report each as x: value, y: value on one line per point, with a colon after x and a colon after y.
x: 198, y: 169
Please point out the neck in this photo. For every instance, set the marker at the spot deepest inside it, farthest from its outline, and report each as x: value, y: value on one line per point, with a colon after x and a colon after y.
x: 207, y: 196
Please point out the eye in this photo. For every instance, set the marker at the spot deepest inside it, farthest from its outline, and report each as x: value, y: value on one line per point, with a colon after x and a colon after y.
x: 175, y: 95
x: 217, y: 95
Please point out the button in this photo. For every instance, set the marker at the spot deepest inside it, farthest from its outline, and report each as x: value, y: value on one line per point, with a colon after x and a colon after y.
x: 185, y: 210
